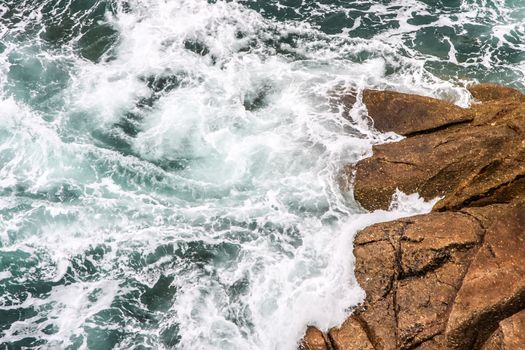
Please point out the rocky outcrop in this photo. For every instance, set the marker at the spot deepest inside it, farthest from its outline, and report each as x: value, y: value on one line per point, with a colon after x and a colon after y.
x: 453, y: 278
x: 351, y: 335
x: 473, y: 163
x: 314, y: 339
x: 442, y: 280
x: 409, y: 114
x: 490, y: 92
x: 494, y: 286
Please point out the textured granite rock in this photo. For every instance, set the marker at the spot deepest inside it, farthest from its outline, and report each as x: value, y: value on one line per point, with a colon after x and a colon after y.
x: 469, y: 164
x: 453, y: 278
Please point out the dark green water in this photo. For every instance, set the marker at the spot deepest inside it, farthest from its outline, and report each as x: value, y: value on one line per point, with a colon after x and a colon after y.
x: 168, y: 169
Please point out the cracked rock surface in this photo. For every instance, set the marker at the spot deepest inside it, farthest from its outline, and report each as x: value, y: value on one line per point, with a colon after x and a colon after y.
x: 472, y: 156
x: 453, y: 278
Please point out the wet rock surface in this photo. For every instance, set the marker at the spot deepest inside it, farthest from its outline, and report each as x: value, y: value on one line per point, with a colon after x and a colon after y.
x: 408, y: 114
x: 351, y: 335
x: 314, y: 339
x: 473, y: 163
x: 453, y: 278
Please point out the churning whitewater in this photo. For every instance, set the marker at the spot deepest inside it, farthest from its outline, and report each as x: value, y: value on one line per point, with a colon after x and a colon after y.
x: 169, y: 169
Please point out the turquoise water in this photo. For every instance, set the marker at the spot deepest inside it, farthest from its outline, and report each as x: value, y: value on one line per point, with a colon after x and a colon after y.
x: 169, y: 169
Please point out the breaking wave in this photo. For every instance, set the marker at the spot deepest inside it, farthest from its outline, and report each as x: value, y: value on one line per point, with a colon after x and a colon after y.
x: 169, y: 169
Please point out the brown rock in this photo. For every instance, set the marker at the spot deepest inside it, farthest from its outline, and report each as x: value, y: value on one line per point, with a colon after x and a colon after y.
x: 494, y: 286
x: 430, y: 239
x: 510, y: 335
x: 513, y: 331
x: 411, y: 270
x: 377, y: 249
x: 313, y: 339
x: 350, y: 335
x: 380, y: 321
x: 408, y: 114
x: 489, y: 92
x: 454, y: 278
x: 422, y: 305
x: 469, y: 164
x: 495, y: 341
x: 436, y: 343
x: 444, y: 280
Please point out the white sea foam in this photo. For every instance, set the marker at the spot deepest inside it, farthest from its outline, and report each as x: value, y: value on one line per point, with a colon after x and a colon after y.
x: 228, y: 185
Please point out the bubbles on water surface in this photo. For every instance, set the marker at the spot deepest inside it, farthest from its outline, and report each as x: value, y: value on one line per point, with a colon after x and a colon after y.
x: 169, y: 169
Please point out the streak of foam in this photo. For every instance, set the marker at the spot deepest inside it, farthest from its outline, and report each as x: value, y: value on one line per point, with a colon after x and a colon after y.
x: 181, y: 190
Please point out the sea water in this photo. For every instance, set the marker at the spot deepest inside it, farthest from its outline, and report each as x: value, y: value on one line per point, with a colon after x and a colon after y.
x: 170, y: 169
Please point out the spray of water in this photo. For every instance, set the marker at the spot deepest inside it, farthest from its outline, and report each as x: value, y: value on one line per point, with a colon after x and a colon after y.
x: 169, y: 169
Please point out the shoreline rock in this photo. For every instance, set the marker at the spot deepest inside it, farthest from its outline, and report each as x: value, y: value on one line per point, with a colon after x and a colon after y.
x: 473, y: 163
x: 453, y: 278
